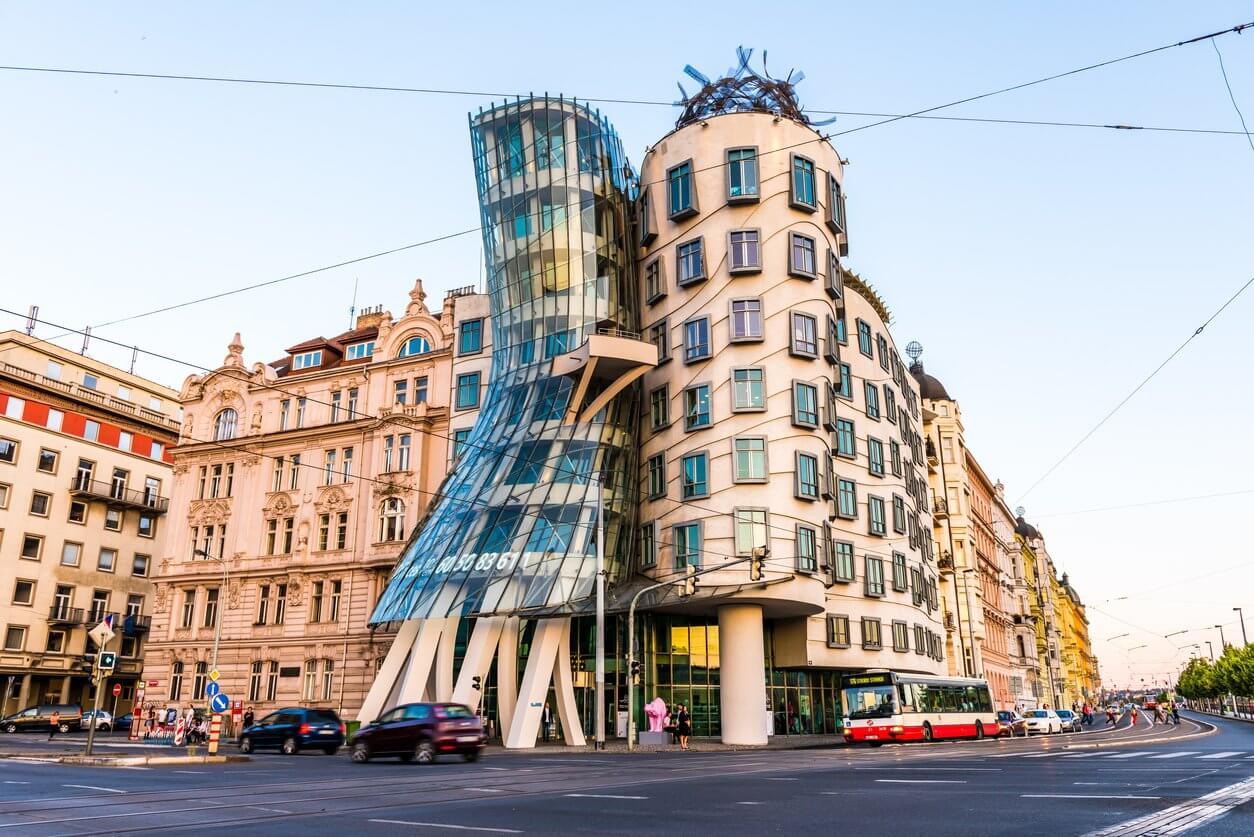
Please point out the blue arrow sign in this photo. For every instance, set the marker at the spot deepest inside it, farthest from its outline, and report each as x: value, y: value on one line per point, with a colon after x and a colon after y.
x: 219, y: 703
x: 212, y: 688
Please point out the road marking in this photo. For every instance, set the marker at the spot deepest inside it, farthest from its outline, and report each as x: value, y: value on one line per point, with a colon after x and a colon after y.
x: 12, y: 782
x: 748, y: 803
x: 923, y: 781
x: 1185, y: 816
x: 496, y: 768
x: 1227, y: 754
x: 95, y: 787
x: 1082, y: 796
x: 1082, y: 755
x: 485, y: 790
x: 1178, y: 755
x: 602, y: 796
x: 934, y: 769
x: 1040, y: 755
x: 135, y: 767
x: 189, y: 772
x: 449, y: 825
x: 269, y: 810
x: 1131, y: 755
x: 782, y: 779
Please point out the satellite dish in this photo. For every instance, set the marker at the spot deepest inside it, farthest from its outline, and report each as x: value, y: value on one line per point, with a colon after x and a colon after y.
x: 914, y: 349
x: 1020, y: 511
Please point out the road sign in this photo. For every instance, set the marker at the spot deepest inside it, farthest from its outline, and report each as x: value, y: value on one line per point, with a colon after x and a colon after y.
x: 213, y: 675
x: 117, y: 689
x: 219, y: 703
x: 212, y: 688
x: 102, y: 634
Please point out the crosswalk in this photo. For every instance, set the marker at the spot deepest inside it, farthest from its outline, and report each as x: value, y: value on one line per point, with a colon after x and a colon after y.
x: 1110, y: 755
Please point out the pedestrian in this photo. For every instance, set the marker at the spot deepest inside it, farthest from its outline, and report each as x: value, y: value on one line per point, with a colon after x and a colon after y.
x: 248, y: 717
x: 1175, y: 713
x: 683, y: 724
x: 55, y: 722
x: 546, y: 721
x: 1133, y: 710
x: 1110, y: 716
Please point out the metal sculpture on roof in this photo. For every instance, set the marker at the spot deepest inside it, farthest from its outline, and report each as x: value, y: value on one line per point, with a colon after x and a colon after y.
x: 744, y: 90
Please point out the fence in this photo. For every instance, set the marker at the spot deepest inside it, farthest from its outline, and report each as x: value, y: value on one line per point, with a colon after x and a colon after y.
x: 1231, y: 707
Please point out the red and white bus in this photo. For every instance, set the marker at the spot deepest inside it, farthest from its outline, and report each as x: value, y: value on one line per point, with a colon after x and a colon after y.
x: 882, y: 706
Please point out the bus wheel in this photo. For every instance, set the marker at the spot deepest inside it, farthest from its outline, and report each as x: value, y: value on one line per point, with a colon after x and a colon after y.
x: 979, y: 731
x: 875, y: 743
x: 927, y: 731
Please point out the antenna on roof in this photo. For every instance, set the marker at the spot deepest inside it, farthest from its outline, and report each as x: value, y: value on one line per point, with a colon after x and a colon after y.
x: 352, y: 309
x: 30, y: 319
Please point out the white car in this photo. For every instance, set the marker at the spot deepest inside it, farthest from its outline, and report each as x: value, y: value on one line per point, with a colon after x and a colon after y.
x: 1044, y: 721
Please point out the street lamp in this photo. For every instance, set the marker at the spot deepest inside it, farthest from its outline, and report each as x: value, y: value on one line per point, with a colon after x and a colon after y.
x: 1241, y: 613
x: 1118, y: 636
x: 217, y: 614
x: 1223, y: 644
x: 1175, y: 633
x: 1211, y: 648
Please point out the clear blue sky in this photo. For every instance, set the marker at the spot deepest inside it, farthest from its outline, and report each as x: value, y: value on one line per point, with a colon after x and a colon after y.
x: 1045, y: 270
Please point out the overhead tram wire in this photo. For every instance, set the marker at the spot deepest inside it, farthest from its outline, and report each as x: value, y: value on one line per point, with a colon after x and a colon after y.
x: 417, y: 430
x: 1232, y: 96
x: 1136, y: 389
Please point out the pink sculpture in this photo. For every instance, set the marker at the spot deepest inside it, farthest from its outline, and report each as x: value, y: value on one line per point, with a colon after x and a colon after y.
x: 656, y: 713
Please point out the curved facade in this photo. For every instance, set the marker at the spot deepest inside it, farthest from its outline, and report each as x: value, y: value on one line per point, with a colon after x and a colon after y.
x: 513, y: 530
x: 780, y: 414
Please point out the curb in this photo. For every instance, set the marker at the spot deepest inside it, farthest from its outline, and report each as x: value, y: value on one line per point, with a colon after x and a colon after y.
x: 1226, y: 717
x: 1202, y: 733
x: 126, y: 761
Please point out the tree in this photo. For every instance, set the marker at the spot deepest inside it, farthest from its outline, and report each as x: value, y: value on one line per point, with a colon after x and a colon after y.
x: 1234, y: 672
x: 1197, y: 680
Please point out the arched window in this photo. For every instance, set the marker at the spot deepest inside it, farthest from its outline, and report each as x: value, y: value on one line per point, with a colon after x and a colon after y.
x: 199, y: 679
x: 176, y: 681
x: 224, y: 425
x: 319, y: 680
x: 417, y: 345
x: 392, y: 520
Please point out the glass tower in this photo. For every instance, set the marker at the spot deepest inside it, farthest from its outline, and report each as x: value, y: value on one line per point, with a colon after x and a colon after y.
x: 513, y: 528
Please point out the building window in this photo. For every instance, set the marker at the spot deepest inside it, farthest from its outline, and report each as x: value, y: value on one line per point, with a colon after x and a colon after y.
x: 188, y: 611
x: 91, y: 430
x: 341, y: 530
x: 402, y: 452
x: 845, y: 390
x: 400, y: 391
x: 835, y: 205
x: 352, y: 404
x: 751, y: 530
x: 359, y: 350
x: 23, y: 592
x: 901, y: 636
x: 559, y: 342
x: 871, y: 634
x: 807, y: 483
x: 697, y: 407
x: 749, y: 459
x: 660, y: 407
x: 530, y: 462
x: 842, y: 561
x: 5, y: 489
x: 899, y: 514
x: 200, y: 677
x: 802, y: 256
x: 644, y: 217
x: 894, y: 456
x: 802, y: 193
x: 307, y: 360
x: 107, y: 560
x: 285, y: 407
x: 468, y: 391
x: 211, y: 607
x: 294, y: 474
x: 254, y: 680
x: 176, y: 681
x: 8, y: 451
x: 744, y: 253
x: 834, y: 283
x: 659, y: 336
x: 920, y: 640
x: 890, y: 404
x: 746, y: 320
x: 47, y: 462
x: 392, y: 520
x: 40, y: 503
x: 900, y: 577
x: 864, y: 338
x: 805, y: 404
x: 875, y: 512
x: 657, y: 475
x: 837, y: 631
x: 874, y: 576
x: 681, y: 196
x: 742, y: 175
x: 324, y: 531
x: 32, y: 547
x: 301, y: 403
x: 417, y: 345
x: 336, y: 398
x: 804, y: 336
x: 690, y: 261
x: 71, y: 554
x: 648, y: 545
x: 686, y: 538
x: 224, y: 425
x: 872, y: 401
x: 846, y: 499
x: 470, y: 337
x: 328, y: 467
x: 460, y: 439
x: 272, y: 681
x: 882, y: 345
x: 807, y: 549
x: 845, y: 445
x: 875, y: 456
x: 748, y: 389
x: 140, y: 564
x: 696, y: 476
x: 654, y: 281
x: 697, y: 339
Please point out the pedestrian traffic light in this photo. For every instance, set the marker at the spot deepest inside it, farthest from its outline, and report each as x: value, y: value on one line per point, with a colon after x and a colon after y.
x: 635, y: 669
x: 757, y: 562
x: 476, y: 682
x: 108, y: 659
x: 690, y: 583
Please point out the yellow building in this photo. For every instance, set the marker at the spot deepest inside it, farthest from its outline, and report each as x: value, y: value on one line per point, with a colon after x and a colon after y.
x: 1079, y: 666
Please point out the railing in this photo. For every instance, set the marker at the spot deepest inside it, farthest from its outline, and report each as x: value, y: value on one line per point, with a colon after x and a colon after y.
x: 115, y: 493
x: 940, y: 508
x: 611, y: 331
x: 136, y: 624
x: 66, y: 615
x: 80, y: 391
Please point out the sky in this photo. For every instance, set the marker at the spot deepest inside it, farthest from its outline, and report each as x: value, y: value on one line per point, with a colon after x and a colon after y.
x: 1046, y: 271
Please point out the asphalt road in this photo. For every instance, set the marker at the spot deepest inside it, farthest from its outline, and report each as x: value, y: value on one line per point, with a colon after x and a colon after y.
x: 1127, y: 780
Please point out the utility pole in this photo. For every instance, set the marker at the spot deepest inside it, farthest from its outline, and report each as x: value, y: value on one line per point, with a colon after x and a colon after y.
x: 599, y: 715
x: 1241, y: 613
x: 1223, y: 643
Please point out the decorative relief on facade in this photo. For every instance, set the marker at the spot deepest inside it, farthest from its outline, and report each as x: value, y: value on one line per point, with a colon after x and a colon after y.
x: 209, y: 511
x: 331, y: 500
x: 161, y: 593
x: 233, y: 595
x: 278, y: 504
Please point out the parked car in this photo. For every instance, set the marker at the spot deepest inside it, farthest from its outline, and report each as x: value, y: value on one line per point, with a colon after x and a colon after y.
x: 39, y: 718
x: 1044, y: 721
x: 421, y: 732
x: 294, y: 729
x: 103, y: 720
x: 123, y: 722
x: 1011, y: 724
x: 1070, y: 721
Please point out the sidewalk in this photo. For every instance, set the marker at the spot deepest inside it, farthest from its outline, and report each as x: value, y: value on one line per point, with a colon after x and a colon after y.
x: 697, y: 745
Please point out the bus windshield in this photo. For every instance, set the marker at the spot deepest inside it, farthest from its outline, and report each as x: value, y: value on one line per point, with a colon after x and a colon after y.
x: 871, y: 701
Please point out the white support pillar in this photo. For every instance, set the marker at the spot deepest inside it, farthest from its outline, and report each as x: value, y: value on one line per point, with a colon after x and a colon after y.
x: 507, y: 674
x: 564, y: 690
x: 742, y: 674
x: 423, y: 661
x: 550, y: 645
x: 388, y: 673
x: 480, y: 649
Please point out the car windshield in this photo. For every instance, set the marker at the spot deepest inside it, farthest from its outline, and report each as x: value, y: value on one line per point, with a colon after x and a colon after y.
x: 453, y: 710
x: 1005, y: 716
x: 1038, y: 713
x: 871, y: 702
x: 1064, y: 713
x: 322, y: 716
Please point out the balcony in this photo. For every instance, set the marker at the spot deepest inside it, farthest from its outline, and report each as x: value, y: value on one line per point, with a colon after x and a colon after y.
x: 136, y: 624
x: 118, y: 496
x: 612, y: 359
x: 940, y: 509
x: 65, y: 615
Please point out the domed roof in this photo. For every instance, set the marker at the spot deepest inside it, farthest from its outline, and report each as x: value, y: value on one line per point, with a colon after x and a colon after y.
x: 1025, y: 529
x: 929, y: 387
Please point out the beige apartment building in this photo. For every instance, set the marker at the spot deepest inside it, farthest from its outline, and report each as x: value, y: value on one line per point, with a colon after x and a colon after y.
x: 85, y: 472
x: 296, y: 483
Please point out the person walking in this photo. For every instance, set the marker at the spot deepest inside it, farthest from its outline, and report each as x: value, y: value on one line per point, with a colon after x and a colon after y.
x: 1133, y: 711
x: 683, y: 726
x: 1111, y: 720
x: 546, y: 721
x: 55, y: 722
x: 248, y: 717
x: 1175, y: 713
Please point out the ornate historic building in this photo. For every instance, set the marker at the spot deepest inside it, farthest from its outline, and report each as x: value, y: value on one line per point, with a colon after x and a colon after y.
x: 295, y: 485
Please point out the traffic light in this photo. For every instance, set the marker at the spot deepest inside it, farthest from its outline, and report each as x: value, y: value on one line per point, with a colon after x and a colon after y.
x: 757, y: 562
x: 690, y: 583
x: 87, y: 664
x: 636, y: 669
x: 108, y: 659
x: 476, y: 682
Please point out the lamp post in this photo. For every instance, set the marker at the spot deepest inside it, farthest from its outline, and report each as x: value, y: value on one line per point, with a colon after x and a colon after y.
x: 1211, y: 648
x: 1241, y: 613
x: 1223, y: 643
x: 599, y: 715
x: 217, y: 613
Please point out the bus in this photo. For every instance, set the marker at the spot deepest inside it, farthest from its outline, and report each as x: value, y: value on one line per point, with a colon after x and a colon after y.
x: 882, y: 706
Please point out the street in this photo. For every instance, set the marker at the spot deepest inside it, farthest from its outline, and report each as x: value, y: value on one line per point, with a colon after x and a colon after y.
x: 1092, y: 782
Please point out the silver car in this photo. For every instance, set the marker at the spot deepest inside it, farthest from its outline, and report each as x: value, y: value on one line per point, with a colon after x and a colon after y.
x: 102, y: 719
x: 1070, y: 721
x: 1043, y: 721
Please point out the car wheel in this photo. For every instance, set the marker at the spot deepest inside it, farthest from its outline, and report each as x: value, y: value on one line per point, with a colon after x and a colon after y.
x: 425, y: 752
x: 979, y: 731
x: 10, y: 728
x: 360, y: 753
x: 63, y: 728
x: 927, y: 731
x: 473, y: 755
x: 290, y: 747
x: 245, y: 745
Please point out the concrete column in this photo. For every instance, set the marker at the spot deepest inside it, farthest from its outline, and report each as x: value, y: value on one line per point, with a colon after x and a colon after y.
x: 66, y: 682
x: 742, y: 674
x: 23, y: 695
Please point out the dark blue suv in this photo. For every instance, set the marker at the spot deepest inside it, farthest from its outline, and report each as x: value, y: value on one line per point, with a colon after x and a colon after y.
x: 294, y: 729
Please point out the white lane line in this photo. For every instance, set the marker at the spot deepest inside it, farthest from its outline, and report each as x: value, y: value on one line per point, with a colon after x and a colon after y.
x: 449, y: 825
x: 190, y: 772
x: 1082, y: 796
x: 1132, y: 755
x: 1187, y: 815
x: 485, y: 790
x: 1178, y: 755
x: 1227, y: 754
x: 601, y: 796
x: 496, y: 768
x: 1082, y: 755
x: 1041, y: 755
x: 923, y: 781
x: 749, y: 803
x: 95, y: 787
x: 269, y: 810
x: 934, y: 769
x: 136, y: 767
x: 13, y: 782
x: 782, y: 779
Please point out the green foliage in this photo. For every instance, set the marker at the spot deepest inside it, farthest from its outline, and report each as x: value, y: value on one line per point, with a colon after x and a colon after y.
x: 1234, y: 671
x: 1197, y: 680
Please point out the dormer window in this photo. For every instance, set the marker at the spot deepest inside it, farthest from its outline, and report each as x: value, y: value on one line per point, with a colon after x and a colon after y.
x: 359, y: 350
x: 307, y: 360
x: 417, y: 345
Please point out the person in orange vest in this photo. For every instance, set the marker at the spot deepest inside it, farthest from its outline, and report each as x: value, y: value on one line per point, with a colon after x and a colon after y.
x: 1134, y: 714
x: 55, y: 721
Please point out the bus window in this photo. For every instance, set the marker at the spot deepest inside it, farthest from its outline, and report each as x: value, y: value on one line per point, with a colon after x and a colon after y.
x: 971, y: 701
x: 871, y: 702
x: 907, y: 697
x: 986, y: 700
